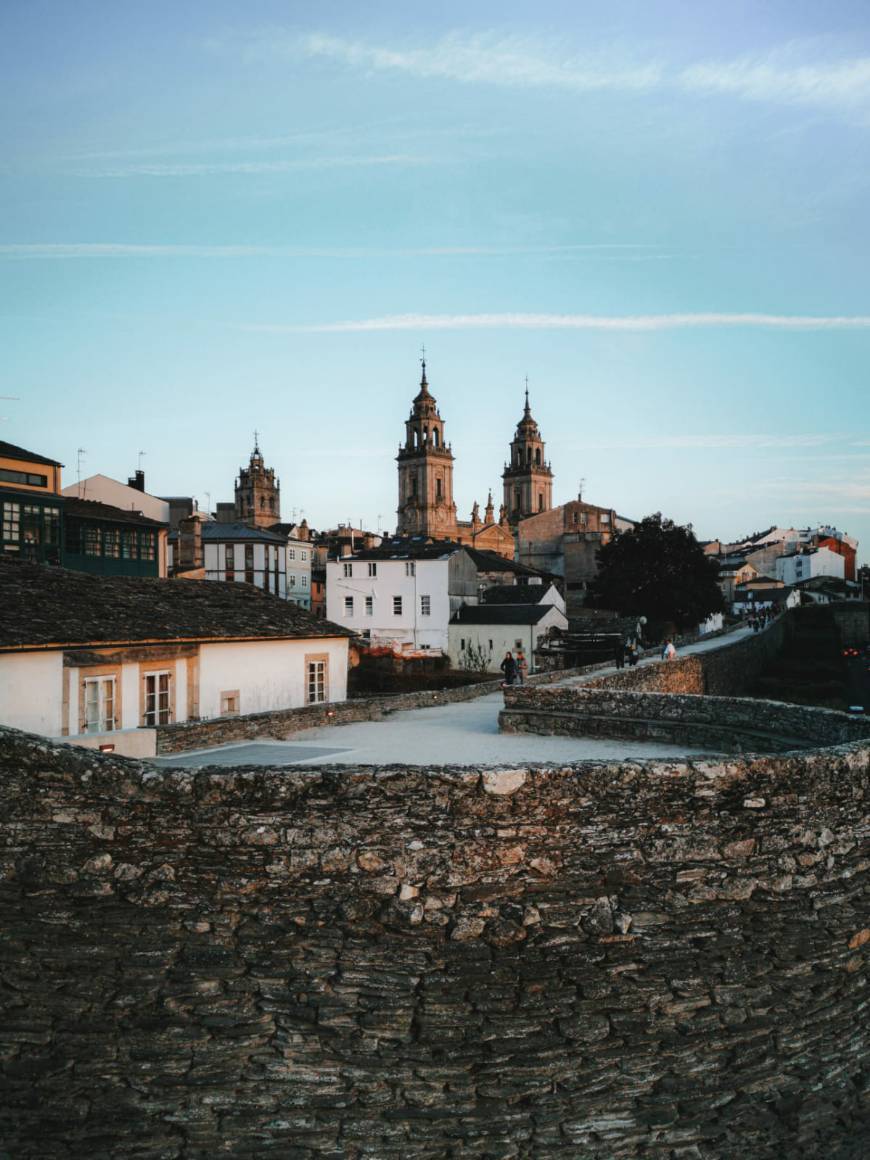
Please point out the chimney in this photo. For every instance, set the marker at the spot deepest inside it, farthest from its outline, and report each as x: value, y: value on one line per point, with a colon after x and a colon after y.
x: 346, y: 548
x: 137, y: 481
x: 190, y: 542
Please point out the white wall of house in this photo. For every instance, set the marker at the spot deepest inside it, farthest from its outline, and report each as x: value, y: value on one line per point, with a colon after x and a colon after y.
x: 31, y: 691
x: 366, y: 602
x: 112, y: 491
x: 298, y: 554
x: 265, y: 557
x: 268, y: 674
x: 807, y: 565
x: 494, y: 640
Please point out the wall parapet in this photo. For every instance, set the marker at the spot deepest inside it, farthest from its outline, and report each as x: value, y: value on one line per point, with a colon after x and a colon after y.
x: 603, y: 959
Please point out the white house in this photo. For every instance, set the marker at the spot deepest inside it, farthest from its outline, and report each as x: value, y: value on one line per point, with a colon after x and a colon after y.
x: 104, y: 661
x: 480, y: 635
x: 807, y: 565
x: 398, y: 600
x: 233, y: 552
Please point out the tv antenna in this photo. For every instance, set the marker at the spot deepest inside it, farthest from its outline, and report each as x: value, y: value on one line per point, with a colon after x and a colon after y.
x: 80, y: 454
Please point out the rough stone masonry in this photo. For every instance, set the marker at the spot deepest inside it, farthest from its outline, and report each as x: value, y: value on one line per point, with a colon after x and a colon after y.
x: 606, y: 960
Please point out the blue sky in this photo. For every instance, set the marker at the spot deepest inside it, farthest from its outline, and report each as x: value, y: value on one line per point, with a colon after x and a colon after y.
x: 220, y: 217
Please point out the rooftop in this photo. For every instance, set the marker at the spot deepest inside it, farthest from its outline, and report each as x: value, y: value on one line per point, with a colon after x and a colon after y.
x: 515, y: 593
x: 501, y: 613
x: 92, y: 509
x: 10, y: 451
x: 44, y: 607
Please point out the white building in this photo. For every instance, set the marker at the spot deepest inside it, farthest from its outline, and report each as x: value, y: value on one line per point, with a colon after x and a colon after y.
x: 807, y: 565
x: 480, y: 635
x: 209, y: 550
x: 299, y: 571
x: 105, y: 661
x: 403, y: 602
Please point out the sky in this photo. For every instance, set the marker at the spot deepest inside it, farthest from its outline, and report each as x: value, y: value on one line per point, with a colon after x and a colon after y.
x: 219, y: 218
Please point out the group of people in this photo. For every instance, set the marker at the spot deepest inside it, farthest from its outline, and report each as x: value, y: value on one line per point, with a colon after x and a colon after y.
x: 760, y: 619
x: 514, y: 667
x: 630, y: 650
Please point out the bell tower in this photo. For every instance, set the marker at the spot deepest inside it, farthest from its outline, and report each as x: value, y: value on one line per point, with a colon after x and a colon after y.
x: 425, y: 462
x: 258, y: 492
x: 528, y: 480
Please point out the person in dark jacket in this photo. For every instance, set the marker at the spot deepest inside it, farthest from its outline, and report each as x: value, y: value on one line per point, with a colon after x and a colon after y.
x: 509, y: 667
x: 619, y: 653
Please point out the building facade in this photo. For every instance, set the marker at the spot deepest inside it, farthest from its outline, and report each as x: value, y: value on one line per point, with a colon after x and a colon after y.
x: 109, y: 541
x: 31, y: 505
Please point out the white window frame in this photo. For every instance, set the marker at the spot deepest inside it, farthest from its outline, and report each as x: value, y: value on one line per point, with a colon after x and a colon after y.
x: 160, y: 698
x: 348, y: 606
x: 104, y: 720
x: 426, y: 605
x: 370, y: 606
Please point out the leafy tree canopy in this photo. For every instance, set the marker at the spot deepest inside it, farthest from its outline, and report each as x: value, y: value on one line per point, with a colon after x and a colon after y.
x: 658, y: 570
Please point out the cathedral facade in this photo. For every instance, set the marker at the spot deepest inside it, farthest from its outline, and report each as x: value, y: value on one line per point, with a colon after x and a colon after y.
x: 425, y: 465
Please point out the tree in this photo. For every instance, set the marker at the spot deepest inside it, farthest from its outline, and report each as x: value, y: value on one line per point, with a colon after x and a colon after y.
x: 659, y: 570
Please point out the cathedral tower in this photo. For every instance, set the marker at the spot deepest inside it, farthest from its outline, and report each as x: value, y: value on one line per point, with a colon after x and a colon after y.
x: 528, y: 480
x: 258, y: 492
x: 425, y: 462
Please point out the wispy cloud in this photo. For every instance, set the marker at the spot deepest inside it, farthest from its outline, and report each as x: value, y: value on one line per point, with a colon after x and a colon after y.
x: 709, y: 441
x: 790, y: 74
x: 623, y: 251
x: 255, y: 168
x: 489, y: 59
x: 623, y: 322
x: 782, y: 78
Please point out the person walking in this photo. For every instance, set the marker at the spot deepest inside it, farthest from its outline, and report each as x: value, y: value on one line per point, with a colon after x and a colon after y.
x: 509, y: 667
x: 619, y: 653
x: 668, y: 652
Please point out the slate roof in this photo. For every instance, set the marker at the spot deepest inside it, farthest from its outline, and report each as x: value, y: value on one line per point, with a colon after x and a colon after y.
x: 500, y: 613
x: 492, y: 562
x: 515, y: 593
x: 407, y: 548
x: 45, y: 607
x: 214, y: 530
x: 12, y: 452
x: 92, y: 509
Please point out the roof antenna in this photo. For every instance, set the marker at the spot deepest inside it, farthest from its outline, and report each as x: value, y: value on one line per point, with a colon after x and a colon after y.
x: 80, y: 452
x: 580, y: 490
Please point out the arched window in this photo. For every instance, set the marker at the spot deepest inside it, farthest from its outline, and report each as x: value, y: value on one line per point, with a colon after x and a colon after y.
x: 528, y: 455
x: 434, y: 436
x: 540, y: 501
x: 439, y: 488
x: 538, y: 456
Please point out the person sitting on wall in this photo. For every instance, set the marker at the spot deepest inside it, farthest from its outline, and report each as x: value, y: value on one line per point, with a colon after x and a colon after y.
x: 509, y: 667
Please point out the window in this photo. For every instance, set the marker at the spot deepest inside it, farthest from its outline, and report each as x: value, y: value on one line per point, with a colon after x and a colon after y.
x: 112, y: 543
x: 370, y: 605
x: 292, y: 579
x: 348, y: 569
x: 230, y: 562
x: 230, y: 703
x: 397, y: 606
x: 304, y: 581
x: 303, y: 555
x: 540, y: 501
x: 31, y: 525
x: 462, y: 644
x: 373, y: 569
x: 129, y: 546
x: 147, y: 546
x: 490, y: 646
x: 605, y: 517
x: 291, y: 553
x: 410, y: 568
x: 51, y: 517
x: 317, y: 686
x: 99, y: 705
x: 157, y: 709
x: 439, y: 488
x: 348, y: 606
x: 11, y: 526
x: 414, y: 486
x: 425, y: 605
x: 249, y: 563
x: 7, y: 476
x: 91, y: 542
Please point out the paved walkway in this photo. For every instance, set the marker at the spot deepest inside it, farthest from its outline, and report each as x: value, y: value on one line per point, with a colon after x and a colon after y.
x: 463, y: 733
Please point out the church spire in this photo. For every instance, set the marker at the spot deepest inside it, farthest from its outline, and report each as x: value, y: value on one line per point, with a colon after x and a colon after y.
x: 527, y: 412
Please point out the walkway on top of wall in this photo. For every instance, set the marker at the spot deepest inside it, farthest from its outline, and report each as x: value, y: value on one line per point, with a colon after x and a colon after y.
x: 453, y: 734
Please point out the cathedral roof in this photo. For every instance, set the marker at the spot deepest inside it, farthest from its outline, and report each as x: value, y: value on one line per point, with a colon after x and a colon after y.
x: 424, y: 403
x: 527, y: 427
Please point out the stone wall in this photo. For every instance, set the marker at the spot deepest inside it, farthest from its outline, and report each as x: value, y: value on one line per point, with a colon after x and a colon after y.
x: 853, y: 621
x: 720, y: 724
x: 644, y: 959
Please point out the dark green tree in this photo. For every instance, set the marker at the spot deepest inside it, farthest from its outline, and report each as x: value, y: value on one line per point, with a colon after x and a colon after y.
x: 658, y: 570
